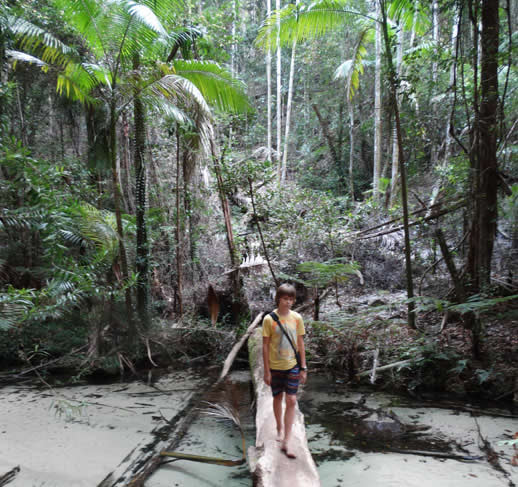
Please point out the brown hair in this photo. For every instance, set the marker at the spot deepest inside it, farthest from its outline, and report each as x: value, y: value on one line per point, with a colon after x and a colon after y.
x: 285, y: 290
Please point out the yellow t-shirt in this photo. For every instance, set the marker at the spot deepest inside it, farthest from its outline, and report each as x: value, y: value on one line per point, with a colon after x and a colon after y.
x: 282, y: 356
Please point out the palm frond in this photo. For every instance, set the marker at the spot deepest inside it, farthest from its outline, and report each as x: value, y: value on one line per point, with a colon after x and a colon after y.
x: 411, y: 14
x: 424, y: 47
x: 215, y: 83
x: 14, y: 221
x: 14, y: 308
x: 77, y: 81
x: 351, y: 69
x: 99, y: 227
x: 166, y: 10
x: 145, y: 15
x: 305, y: 22
x: 178, y: 90
x: 86, y: 17
x: 72, y: 238
x: 36, y: 40
x: 163, y: 106
x: 222, y: 412
x: 23, y: 57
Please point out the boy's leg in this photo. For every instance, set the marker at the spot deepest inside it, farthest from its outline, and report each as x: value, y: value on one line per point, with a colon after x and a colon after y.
x: 277, y: 411
x: 289, y: 415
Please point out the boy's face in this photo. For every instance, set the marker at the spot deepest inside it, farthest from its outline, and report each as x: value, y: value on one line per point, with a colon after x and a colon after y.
x: 286, y: 302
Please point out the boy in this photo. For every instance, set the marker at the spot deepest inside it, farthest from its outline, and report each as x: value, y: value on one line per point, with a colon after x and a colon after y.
x: 281, y: 371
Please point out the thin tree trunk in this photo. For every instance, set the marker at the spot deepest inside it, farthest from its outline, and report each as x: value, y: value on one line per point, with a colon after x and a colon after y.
x: 239, y: 305
x: 377, y: 111
x: 118, y: 216
x: 449, y: 124
x: 395, y: 149
x: 269, y: 88
x: 233, y: 47
x: 328, y: 136
x: 402, y: 171
x: 434, y: 149
x: 279, y: 92
x: 288, y: 110
x: 23, y: 127
x: 178, y: 233
x: 351, y: 149
x: 484, y: 220
x: 454, y: 34
x: 265, y: 250
x: 142, y: 259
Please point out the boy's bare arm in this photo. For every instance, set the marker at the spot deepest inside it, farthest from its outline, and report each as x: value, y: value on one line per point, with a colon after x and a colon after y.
x: 266, y: 361
x: 302, y: 351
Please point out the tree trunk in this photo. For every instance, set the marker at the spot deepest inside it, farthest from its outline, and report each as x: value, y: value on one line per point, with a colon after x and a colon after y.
x: 265, y: 250
x: 118, y: 216
x: 485, y: 172
x: 288, y: 110
x: 395, y: 150
x: 377, y: 110
x: 269, y: 88
x: 239, y: 304
x: 351, y: 150
x: 178, y: 232
x: 327, y: 134
x: 279, y: 92
x: 453, y: 43
x: 434, y: 149
x: 142, y: 259
x: 402, y: 171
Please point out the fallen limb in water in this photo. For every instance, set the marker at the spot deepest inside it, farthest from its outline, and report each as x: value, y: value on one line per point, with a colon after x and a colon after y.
x: 401, y: 363
x: 197, y: 458
x: 235, y: 349
x: 9, y: 476
x: 145, y: 458
x: 437, y: 454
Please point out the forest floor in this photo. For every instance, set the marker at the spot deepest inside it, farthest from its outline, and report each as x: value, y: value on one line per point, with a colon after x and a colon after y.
x: 444, y: 360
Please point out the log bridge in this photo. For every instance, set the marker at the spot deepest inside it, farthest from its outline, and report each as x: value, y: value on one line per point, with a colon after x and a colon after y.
x: 269, y: 466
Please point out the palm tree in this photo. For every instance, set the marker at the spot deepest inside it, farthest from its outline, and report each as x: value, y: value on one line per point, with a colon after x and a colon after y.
x: 118, y: 35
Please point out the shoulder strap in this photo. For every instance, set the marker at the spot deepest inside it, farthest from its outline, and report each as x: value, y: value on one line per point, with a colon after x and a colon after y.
x: 276, y: 318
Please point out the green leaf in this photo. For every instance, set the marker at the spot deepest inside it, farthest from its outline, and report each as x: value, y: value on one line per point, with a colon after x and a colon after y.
x: 305, y: 22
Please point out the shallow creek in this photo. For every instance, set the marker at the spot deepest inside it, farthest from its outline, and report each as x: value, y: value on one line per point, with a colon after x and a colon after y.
x: 74, y: 436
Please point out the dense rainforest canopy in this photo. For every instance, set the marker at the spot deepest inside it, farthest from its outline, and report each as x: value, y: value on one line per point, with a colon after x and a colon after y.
x: 166, y: 163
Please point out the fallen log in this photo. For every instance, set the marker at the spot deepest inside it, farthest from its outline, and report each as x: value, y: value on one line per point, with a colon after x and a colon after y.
x: 269, y: 466
x: 146, y: 457
x: 401, y: 363
x: 235, y: 349
x: 9, y: 476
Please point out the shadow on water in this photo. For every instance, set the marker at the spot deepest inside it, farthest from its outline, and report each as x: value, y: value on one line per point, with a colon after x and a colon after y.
x: 358, y: 427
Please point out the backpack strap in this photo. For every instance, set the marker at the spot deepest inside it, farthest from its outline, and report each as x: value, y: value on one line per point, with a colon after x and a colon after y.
x: 276, y: 319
